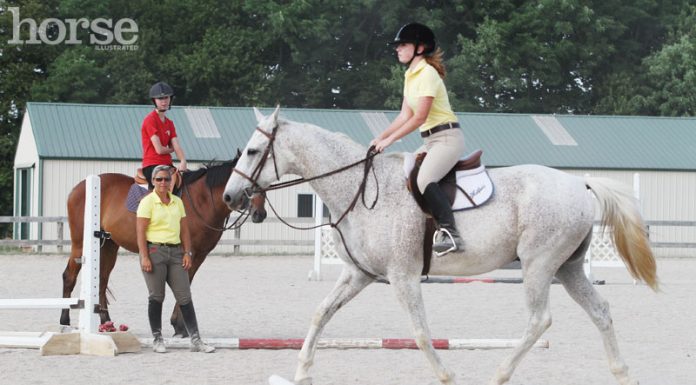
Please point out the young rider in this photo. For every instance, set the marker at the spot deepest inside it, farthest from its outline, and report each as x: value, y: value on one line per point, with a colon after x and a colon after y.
x: 158, y: 133
x: 426, y: 107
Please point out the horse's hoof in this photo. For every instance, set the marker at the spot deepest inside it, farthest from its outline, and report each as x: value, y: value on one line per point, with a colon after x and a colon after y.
x: 277, y: 380
x: 66, y: 329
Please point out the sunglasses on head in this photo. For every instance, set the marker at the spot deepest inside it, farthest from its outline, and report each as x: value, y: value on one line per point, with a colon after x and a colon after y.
x: 161, y: 178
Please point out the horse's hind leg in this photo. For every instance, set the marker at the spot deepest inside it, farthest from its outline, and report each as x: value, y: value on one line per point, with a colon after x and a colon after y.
x: 107, y: 257
x: 572, y: 275
x: 70, y: 277
x: 408, y: 291
x: 537, y: 281
x: 348, y: 285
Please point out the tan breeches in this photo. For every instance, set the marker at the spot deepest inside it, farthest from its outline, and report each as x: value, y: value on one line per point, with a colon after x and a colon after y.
x: 444, y: 150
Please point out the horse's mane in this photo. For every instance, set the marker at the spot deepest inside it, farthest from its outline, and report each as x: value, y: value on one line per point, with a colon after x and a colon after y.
x: 216, y: 173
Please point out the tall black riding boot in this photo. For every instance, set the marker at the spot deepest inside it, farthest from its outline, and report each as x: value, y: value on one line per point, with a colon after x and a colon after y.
x: 189, y: 314
x: 154, y: 315
x: 447, y: 236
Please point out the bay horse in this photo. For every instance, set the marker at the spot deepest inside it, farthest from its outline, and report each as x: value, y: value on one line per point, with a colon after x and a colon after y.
x: 538, y: 214
x: 206, y: 215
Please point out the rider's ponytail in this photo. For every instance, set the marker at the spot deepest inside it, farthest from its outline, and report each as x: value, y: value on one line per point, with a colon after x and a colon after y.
x: 435, y: 60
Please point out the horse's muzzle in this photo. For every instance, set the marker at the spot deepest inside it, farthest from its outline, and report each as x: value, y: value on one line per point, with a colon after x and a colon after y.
x: 257, y: 216
x: 236, y: 201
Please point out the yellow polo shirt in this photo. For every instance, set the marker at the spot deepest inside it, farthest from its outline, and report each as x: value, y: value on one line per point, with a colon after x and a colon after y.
x: 425, y: 81
x: 165, y: 220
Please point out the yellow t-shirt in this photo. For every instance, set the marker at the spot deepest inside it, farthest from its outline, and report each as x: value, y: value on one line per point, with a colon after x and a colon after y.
x: 165, y: 220
x: 425, y: 81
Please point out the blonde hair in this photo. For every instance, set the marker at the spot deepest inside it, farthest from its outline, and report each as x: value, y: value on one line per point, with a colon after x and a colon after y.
x: 435, y: 60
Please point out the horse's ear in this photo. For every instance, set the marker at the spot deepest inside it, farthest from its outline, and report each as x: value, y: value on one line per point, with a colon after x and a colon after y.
x: 274, y: 115
x: 239, y: 152
x: 259, y: 115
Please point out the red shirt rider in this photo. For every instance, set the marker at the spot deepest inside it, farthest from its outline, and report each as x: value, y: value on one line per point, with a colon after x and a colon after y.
x: 165, y: 131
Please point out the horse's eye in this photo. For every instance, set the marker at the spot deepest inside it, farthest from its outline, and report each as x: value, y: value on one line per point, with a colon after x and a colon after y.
x: 252, y: 152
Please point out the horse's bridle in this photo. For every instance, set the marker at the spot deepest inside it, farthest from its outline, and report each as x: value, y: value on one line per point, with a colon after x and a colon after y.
x: 257, y: 189
x: 268, y: 152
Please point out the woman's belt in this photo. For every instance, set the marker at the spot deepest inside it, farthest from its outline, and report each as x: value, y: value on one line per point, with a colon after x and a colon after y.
x: 441, y: 127
x: 164, y: 244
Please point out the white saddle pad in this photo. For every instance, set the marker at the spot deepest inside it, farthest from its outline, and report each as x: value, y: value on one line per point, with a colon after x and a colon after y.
x: 475, y: 182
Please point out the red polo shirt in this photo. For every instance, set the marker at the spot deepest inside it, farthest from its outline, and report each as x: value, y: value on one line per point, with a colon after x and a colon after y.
x: 153, y: 125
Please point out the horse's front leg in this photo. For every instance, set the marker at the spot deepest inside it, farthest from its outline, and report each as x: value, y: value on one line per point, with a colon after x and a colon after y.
x: 408, y: 291
x: 349, y: 284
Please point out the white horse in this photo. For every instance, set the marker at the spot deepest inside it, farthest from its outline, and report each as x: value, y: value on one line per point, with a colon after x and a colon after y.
x: 540, y: 215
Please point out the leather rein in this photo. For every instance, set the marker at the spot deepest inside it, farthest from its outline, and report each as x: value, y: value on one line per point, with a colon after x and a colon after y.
x: 257, y: 189
x: 236, y: 224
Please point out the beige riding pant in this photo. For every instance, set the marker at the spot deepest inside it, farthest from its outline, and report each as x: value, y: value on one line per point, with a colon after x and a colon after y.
x: 444, y: 149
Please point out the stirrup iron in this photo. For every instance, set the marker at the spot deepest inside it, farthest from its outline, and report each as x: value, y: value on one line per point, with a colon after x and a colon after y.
x: 449, y: 236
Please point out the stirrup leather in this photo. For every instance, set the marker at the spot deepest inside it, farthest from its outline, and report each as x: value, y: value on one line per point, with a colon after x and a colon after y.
x: 446, y: 233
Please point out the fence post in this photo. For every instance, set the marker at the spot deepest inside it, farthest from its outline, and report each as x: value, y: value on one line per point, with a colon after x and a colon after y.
x: 39, y: 230
x: 89, y: 321
x: 59, y: 236
x: 315, y: 274
x: 237, y: 236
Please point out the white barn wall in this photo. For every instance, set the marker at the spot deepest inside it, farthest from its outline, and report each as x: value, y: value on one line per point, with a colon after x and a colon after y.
x: 664, y: 195
x: 285, y: 203
x: 27, y: 156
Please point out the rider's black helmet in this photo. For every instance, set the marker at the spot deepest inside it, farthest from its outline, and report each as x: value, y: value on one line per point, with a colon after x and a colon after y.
x: 416, y: 33
x: 160, y: 90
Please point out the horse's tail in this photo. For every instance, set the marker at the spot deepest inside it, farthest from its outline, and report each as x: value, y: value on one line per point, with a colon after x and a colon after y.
x: 621, y: 213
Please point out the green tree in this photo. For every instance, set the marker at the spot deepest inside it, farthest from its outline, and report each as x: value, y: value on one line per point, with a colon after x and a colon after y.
x: 20, y: 65
x: 541, y: 56
x: 670, y: 74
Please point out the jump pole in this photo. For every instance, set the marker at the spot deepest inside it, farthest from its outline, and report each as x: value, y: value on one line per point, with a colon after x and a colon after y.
x: 86, y: 340
x: 346, y: 343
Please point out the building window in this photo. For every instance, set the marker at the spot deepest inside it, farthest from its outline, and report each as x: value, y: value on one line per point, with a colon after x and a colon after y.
x: 305, y: 205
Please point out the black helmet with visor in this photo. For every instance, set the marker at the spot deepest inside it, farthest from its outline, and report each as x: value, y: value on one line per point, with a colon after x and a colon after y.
x: 418, y: 34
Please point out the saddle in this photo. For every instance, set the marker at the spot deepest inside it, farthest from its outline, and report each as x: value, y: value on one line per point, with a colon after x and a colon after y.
x: 175, y: 185
x: 467, y: 184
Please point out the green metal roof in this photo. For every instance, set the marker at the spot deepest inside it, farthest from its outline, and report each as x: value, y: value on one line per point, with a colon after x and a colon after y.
x: 87, y: 131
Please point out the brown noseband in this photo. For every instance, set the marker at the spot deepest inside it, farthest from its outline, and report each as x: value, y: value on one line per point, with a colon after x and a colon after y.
x: 255, y: 187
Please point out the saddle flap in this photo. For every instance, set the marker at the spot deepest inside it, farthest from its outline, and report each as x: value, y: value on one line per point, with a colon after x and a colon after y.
x: 467, y: 184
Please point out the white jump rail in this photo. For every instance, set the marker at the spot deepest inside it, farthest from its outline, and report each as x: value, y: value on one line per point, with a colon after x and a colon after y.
x: 86, y: 339
x: 348, y: 343
x: 41, y: 303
